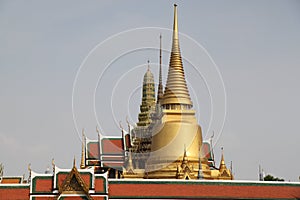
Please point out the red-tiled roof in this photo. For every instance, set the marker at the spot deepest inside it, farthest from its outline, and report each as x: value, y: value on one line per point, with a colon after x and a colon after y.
x: 201, y: 189
x: 113, y: 164
x: 206, y: 150
x: 112, y: 146
x: 42, y: 184
x: 11, y: 180
x: 93, y: 150
x: 14, y: 192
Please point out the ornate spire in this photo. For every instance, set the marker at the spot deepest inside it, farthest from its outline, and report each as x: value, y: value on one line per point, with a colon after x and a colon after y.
x: 176, y: 91
x: 82, y: 163
x: 222, y: 163
x: 148, y: 98
x: 160, y: 92
x: 74, y: 162
x: 53, y: 165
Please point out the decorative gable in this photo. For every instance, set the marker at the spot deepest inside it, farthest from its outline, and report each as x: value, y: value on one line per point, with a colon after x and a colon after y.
x: 74, y: 184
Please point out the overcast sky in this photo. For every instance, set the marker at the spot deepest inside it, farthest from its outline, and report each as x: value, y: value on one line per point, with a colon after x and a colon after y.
x: 255, y: 45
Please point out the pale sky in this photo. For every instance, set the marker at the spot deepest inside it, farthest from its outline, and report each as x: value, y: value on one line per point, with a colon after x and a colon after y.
x: 255, y: 45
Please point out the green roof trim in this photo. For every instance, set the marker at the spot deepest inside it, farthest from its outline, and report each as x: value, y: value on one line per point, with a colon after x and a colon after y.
x: 14, y: 186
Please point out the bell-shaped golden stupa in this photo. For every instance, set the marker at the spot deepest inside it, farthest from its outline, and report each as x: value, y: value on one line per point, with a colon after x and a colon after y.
x: 176, y: 137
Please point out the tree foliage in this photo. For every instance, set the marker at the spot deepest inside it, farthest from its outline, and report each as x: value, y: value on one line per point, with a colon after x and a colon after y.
x: 272, y: 178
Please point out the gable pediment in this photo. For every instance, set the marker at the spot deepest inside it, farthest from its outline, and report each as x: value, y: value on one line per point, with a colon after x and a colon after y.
x: 74, y: 184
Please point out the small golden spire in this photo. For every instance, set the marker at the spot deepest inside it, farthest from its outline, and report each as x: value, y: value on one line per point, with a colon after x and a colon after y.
x: 184, y: 153
x: 222, y: 158
x: 222, y: 162
x: 82, y: 163
x: 74, y: 162
x: 160, y: 92
x: 176, y: 91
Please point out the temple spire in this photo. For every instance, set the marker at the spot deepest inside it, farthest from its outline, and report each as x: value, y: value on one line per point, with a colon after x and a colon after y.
x: 175, y: 24
x: 74, y: 162
x: 82, y: 163
x: 148, y: 98
x: 176, y: 91
x: 222, y: 162
x: 160, y: 92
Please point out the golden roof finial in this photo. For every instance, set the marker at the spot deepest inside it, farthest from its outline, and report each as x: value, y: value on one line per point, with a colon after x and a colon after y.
x: 176, y: 91
x: 29, y: 167
x: 74, y: 162
x: 82, y: 162
x: 222, y: 162
x: 97, y: 129
x: 222, y: 158
x: 175, y: 24
x: 120, y: 125
x: 148, y: 61
x: 184, y: 153
x: 53, y: 164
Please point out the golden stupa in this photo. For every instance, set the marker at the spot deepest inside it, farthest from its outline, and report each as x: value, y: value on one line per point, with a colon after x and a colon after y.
x: 167, y: 141
x: 177, y: 133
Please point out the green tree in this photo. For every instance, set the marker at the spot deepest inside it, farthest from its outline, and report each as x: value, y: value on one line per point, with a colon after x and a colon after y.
x: 272, y: 178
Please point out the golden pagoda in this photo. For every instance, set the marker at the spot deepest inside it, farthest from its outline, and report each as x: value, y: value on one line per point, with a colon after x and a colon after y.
x: 177, y: 136
x: 167, y: 142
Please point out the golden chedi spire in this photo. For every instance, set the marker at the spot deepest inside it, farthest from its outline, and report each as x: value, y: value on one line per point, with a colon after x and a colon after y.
x: 160, y: 92
x: 177, y: 126
x: 176, y: 91
x: 148, y: 98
